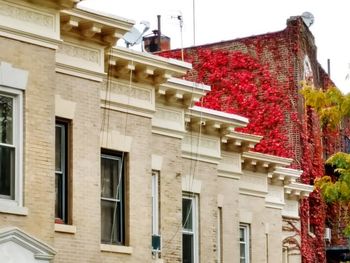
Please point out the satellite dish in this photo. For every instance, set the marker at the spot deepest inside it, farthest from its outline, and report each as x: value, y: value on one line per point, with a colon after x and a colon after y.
x: 134, y: 36
x: 308, y: 18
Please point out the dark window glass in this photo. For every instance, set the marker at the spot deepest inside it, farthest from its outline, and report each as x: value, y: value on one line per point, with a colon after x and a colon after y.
x: 61, y: 172
x: 7, y: 171
x: 187, y: 248
x: 187, y: 214
x: 7, y: 148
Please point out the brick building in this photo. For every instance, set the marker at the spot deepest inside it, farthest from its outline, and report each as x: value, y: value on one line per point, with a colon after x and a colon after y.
x: 290, y: 57
x: 105, y: 158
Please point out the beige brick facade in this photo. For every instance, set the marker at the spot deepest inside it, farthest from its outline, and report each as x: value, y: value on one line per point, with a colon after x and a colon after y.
x: 132, y: 102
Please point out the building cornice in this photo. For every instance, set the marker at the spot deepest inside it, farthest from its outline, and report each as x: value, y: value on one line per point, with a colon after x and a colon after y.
x: 212, y: 122
x: 94, y: 26
x: 298, y: 190
x: 285, y: 176
x: 145, y: 67
x: 238, y: 141
x: 180, y: 91
x: 257, y: 161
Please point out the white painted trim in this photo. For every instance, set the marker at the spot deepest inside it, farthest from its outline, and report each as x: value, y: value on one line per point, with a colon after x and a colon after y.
x: 116, y: 249
x: 17, y: 96
x: 227, y: 116
x: 62, y: 228
x: 40, y: 250
x: 12, y: 207
x: 189, y: 84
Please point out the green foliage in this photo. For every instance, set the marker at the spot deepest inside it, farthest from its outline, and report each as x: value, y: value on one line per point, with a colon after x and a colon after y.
x: 330, y: 105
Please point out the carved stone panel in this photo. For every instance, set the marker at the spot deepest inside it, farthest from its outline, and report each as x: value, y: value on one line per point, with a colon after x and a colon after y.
x: 171, y: 119
x: 81, y: 57
x: 15, y: 17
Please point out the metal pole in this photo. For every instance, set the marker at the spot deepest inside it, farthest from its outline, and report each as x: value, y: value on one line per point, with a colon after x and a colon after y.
x: 159, y: 33
x: 194, y: 23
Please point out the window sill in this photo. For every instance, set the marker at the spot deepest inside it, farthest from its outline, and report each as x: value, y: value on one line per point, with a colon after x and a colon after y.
x: 11, y: 207
x: 116, y: 249
x: 62, y: 228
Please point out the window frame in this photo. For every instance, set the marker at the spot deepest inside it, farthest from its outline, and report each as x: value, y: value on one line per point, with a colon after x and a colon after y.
x: 195, y: 225
x: 155, y: 203
x: 7, y: 203
x: 65, y: 171
x: 122, y: 158
x: 245, y: 242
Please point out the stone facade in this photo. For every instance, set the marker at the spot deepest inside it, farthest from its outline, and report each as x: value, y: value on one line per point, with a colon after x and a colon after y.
x: 125, y: 101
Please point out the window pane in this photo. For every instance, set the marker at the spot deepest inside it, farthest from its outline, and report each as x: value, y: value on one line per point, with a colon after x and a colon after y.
x: 187, y: 214
x: 187, y: 248
x: 110, y: 222
x: 7, y: 171
x: 109, y: 177
x: 58, y: 147
x: 6, y: 119
x: 241, y: 234
x: 242, y: 251
x: 58, y: 201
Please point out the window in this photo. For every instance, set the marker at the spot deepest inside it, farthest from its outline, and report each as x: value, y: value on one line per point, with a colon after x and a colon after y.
x: 189, y: 229
x: 61, y: 173
x: 244, y: 243
x: 219, y: 235
x: 11, y: 145
x: 156, y: 246
x: 112, y: 198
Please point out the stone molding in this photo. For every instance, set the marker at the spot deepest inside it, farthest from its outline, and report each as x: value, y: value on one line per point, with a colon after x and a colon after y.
x: 30, y: 23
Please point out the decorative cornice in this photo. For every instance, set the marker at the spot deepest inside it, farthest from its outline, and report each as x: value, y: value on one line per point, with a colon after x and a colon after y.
x: 255, y: 161
x: 94, y: 26
x: 238, y: 141
x: 285, y: 176
x: 181, y: 91
x: 145, y: 67
x: 298, y: 190
x: 213, y: 122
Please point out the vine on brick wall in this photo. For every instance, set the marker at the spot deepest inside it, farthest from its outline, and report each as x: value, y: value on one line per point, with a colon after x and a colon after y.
x: 240, y: 84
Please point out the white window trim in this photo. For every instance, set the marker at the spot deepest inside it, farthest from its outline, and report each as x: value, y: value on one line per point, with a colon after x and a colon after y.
x: 15, y: 206
x: 195, y: 221
x: 155, y: 203
x: 246, y: 229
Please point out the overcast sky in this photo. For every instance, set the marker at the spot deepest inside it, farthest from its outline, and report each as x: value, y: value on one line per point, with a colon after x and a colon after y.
x: 226, y: 19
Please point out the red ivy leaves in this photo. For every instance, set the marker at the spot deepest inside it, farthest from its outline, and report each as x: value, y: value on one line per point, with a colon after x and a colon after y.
x: 240, y: 84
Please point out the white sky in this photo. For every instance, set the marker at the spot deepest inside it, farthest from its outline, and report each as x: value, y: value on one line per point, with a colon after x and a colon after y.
x: 218, y: 20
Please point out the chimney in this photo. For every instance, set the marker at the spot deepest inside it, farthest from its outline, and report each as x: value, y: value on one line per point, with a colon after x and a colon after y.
x: 156, y: 41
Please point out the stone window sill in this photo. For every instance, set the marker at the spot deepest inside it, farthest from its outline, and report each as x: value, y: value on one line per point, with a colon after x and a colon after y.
x: 62, y: 228
x: 116, y: 249
x: 11, y: 207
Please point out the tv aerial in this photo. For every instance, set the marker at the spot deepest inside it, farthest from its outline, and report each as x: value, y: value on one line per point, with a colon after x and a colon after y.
x: 134, y: 36
x: 308, y: 18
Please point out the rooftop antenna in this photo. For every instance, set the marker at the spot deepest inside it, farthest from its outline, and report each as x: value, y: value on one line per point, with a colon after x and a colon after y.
x: 134, y: 36
x: 308, y: 18
x: 181, y: 23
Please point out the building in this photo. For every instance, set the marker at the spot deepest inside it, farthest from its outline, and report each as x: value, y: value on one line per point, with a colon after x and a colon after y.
x: 104, y: 156
x: 288, y: 58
